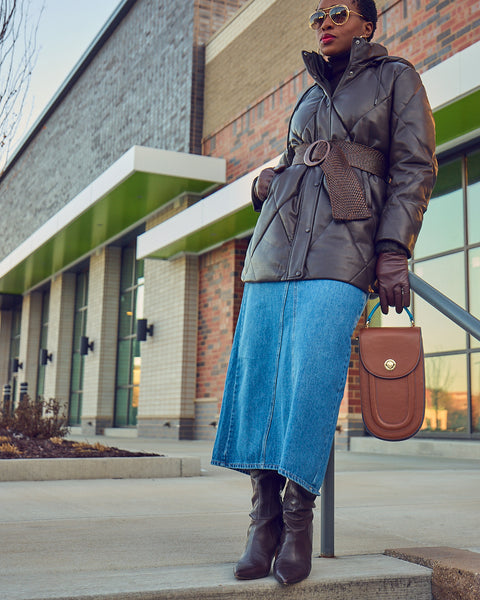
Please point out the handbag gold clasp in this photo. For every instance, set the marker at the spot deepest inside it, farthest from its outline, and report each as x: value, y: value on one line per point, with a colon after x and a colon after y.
x: 390, y: 364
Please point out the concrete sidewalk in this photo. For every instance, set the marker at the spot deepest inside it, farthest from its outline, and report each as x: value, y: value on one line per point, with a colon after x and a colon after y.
x: 173, y: 538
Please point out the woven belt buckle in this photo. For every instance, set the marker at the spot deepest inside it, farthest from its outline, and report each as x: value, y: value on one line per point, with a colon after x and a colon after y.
x: 307, y: 157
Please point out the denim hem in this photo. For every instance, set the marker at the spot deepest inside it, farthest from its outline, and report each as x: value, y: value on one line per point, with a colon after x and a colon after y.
x: 285, y: 379
x: 246, y: 468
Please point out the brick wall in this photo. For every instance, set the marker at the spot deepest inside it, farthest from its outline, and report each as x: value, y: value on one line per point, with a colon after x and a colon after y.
x: 209, y: 16
x: 261, y: 74
x: 426, y: 32
x: 263, y: 87
x: 257, y: 134
x: 220, y: 293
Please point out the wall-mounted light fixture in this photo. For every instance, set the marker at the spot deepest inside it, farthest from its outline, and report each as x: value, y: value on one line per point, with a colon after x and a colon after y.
x: 16, y: 365
x: 45, y: 357
x: 85, y: 345
x: 143, y: 329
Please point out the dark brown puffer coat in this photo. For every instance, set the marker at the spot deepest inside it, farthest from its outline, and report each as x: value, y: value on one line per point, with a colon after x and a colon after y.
x: 379, y: 102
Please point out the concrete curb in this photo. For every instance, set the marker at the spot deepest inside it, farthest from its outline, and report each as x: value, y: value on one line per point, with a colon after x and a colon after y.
x: 417, y: 447
x: 360, y: 577
x: 141, y: 467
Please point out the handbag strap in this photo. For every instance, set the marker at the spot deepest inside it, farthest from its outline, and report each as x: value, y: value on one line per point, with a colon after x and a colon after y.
x: 369, y: 318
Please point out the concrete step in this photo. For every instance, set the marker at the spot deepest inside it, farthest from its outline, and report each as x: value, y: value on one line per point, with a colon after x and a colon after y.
x: 366, y: 577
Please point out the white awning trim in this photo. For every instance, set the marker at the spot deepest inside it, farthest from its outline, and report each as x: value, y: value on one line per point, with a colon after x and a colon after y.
x: 208, y: 211
x: 137, y: 159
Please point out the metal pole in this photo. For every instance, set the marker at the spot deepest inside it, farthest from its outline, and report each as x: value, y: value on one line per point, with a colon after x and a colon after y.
x: 327, y: 545
x: 446, y: 306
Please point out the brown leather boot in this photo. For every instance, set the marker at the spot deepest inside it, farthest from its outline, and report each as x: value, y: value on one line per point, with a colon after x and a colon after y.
x: 265, y: 528
x: 294, y: 558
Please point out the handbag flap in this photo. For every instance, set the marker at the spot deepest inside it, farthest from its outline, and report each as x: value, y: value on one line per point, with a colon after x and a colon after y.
x: 390, y: 352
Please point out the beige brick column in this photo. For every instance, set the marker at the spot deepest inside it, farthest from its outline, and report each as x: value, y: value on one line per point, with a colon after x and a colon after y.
x: 5, y: 335
x: 102, y: 325
x: 60, y: 337
x: 30, y: 340
x: 168, y: 374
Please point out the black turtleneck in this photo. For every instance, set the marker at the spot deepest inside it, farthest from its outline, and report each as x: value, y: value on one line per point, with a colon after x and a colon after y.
x: 336, y: 65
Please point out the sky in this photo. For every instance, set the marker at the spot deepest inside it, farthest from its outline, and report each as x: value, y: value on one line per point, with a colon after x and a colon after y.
x: 66, y: 28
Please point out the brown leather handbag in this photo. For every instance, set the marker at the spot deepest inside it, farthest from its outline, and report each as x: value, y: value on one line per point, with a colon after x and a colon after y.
x: 392, y: 379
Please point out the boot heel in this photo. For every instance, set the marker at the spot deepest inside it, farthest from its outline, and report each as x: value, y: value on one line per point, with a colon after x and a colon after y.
x: 265, y: 529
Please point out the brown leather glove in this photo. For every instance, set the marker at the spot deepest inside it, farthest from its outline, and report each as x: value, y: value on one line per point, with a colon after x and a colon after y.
x: 393, y: 284
x: 265, y: 179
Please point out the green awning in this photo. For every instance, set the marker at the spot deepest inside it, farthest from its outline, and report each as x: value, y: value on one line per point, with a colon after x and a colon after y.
x: 139, y: 183
x: 458, y: 118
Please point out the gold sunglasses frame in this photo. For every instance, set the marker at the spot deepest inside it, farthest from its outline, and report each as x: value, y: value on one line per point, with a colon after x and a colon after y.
x: 327, y: 10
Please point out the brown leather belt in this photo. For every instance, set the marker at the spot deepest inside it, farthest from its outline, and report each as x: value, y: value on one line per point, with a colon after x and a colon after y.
x: 337, y: 158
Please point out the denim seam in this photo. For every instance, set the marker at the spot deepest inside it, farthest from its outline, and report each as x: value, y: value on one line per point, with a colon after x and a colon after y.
x: 274, y: 394
x: 247, y: 467
x: 234, y: 400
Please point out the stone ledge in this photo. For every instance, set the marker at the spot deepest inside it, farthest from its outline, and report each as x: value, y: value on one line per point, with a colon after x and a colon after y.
x: 456, y: 573
x: 144, y: 467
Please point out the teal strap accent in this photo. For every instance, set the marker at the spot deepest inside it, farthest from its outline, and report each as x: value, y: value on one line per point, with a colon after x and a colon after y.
x: 367, y: 322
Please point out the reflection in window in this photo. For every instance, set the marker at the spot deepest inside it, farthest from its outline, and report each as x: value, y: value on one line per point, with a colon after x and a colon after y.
x: 442, y: 228
x: 77, y: 366
x: 128, y: 356
x: 446, y: 397
x: 473, y: 197
x: 43, y: 342
x: 447, y: 256
x: 474, y: 277
x: 447, y: 275
x: 475, y: 370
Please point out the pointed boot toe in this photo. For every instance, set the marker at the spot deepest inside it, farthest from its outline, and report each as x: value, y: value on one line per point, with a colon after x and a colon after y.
x: 294, y: 559
x: 288, y: 572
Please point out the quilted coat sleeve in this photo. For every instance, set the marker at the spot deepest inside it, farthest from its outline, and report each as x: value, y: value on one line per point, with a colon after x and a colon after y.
x: 413, y: 166
x: 285, y: 161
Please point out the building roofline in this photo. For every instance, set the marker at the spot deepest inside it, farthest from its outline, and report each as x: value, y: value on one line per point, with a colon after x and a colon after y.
x: 79, y: 68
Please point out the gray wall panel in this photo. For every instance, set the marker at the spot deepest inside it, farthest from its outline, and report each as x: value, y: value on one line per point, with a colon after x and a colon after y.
x: 136, y: 91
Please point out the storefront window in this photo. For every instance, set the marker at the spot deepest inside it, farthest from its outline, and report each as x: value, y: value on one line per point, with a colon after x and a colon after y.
x: 128, y: 356
x: 79, y: 329
x: 474, y: 281
x: 43, y: 342
x: 447, y: 256
x: 475, y: 374
x: 447, y: 274
x: 446, y: 398
x: 443, y: 227
x: 473, y: 198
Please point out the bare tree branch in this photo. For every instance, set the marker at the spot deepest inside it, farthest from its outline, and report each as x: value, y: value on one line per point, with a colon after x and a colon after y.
x: 18, y: 50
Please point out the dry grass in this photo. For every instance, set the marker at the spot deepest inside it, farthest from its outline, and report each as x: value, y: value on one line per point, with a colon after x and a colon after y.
x: 9, y: 449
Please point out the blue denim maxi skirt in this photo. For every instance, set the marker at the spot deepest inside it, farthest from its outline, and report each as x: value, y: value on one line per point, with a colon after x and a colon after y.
x: 286, y: 378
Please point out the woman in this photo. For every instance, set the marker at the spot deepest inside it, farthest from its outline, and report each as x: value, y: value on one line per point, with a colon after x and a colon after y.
x: 341, y: 211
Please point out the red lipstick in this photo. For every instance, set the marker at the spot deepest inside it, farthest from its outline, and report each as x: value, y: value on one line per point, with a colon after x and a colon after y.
x: 327, y: 38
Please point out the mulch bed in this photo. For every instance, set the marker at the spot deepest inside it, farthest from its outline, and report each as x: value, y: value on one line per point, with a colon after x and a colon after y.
x: 19, y: 446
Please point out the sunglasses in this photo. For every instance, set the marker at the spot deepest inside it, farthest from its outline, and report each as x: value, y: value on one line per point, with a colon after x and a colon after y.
x: 339, y: 15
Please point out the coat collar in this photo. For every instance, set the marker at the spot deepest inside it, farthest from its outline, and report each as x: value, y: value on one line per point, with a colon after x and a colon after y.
x: 362, y: 54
